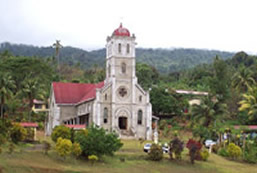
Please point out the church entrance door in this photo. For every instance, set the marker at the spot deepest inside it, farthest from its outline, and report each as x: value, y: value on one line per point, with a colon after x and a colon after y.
x: 123, y: 123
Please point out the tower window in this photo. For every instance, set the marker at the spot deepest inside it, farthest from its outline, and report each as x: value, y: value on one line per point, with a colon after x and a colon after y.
x: 109, y: 70
x: 105, y: 115
x: 119, y: 48
x: 123, y: 68
x: 105, y: 96
x: 140, y: 98
x: 128, y: 48
x: 139, y: 117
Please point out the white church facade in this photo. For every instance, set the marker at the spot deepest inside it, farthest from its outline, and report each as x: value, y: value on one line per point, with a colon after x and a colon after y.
x: 117, y: 104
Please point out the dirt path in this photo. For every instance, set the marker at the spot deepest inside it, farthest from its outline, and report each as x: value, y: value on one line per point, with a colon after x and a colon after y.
x: 36, y: 147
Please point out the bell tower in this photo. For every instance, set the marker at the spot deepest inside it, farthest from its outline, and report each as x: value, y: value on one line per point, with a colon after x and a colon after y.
x: 129, y: 105
x: 120, y: 55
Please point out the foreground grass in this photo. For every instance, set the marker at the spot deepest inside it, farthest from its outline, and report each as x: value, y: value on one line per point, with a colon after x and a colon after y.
x: 26, y: 161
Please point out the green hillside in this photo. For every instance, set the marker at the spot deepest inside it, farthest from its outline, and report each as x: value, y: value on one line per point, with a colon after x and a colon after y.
x: 165, y: 60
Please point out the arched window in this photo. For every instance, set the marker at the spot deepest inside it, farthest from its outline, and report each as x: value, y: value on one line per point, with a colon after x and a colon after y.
x: 105, y: 115
x: 139, y: 117
x: 119, y: 47
x: 128, y: 48
x: 123, y: 68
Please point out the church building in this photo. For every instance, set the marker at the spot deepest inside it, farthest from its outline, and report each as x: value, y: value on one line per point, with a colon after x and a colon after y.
x: 117, y: 104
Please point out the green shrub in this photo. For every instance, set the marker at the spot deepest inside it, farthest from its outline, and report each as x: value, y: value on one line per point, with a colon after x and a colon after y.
x: 215, y: 148
x: 11, y: 148
x: 163, y: 124
x: 223, y: 152
x: 250, y: 154
x: 2, y: 139
x: 82, y: 132
x: 76, y: 149
x: 251, y: 157
x: 0, y: 150
x: 155, y: 153
x: 92, y: 159
x: 72, y: 135
x: 96, y: 141
x: 46, y: 147
x: 41, y: 126
x: 30, y: 134
x: 234, y: 151
x: 166, y: 131
x: 63, y: 147
x: 5, y: 126
x: 61, y: 131
x: 204, y: 155
x: 17, y: 133
x: 202, y: 132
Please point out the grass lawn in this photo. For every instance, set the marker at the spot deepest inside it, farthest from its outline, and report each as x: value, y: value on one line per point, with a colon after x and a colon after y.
x: 30, y: 161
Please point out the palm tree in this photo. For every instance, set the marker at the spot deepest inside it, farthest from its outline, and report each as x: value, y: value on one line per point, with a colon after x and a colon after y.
x: 208, y: 112
x: 31, y: 89
x: 243, y: 80
x: 249, y: 103
x: 57, y: 45
x: 6, y: 86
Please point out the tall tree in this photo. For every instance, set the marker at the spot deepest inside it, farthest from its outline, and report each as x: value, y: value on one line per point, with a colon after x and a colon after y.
x: 249, y: 104
x: 7, y: 85
x: 243, y: 79
x: 208, y: 112
x: 167, y: 102
x: 147, y: 75
x: 57, y: 45
x: 31, y: 89
x: 220, y: 81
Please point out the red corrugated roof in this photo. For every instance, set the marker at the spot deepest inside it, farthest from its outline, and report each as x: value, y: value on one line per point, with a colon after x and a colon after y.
x: 252, y: 127
x: 72, y: 93
x: 28, y: 124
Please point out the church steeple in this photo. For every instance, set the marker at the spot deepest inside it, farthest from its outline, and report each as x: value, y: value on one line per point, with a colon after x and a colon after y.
x: 120, y: 54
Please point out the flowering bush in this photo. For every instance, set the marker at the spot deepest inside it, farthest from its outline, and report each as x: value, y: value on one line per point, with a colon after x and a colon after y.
x: 92, y: 159
x: 63, y: 147
x: 76, y: 150
x: 204, y: 155
x: 234, y: 151
x: 194, y: 150
x: 61, y: 131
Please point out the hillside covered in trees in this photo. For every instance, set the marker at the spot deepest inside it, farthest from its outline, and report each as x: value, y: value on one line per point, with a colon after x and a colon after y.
x: 231, y: 85
x: 164, y: 60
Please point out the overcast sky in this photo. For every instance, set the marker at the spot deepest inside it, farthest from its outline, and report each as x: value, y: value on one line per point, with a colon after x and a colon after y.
x: 229, y: 25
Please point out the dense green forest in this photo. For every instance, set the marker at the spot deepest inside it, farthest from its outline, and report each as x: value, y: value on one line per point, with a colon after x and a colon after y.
x: 164, y: 60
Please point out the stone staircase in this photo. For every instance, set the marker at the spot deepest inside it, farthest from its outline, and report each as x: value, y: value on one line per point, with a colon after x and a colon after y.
x: 127, y: 134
